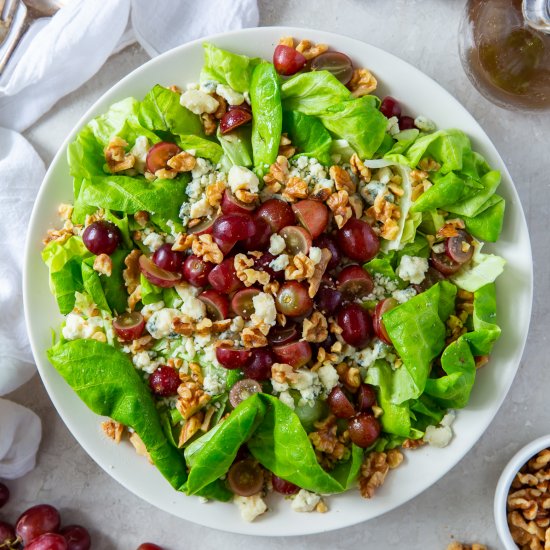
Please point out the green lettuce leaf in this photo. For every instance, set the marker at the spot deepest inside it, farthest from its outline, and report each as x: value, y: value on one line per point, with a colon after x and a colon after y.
x: 227, y: 68
x: 308, y: 134
x: 476, y: 203
x: 486, y: 331
x: 237, y: 146
x: 267, y: 121
x: 313, y: 92
x: 105, y: 379
x: 487, y: 225
x: 92, y: 285
x: 482, y: 270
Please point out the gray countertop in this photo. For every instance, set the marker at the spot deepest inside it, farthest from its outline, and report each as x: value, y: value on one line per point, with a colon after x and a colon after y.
x: 424, y: 33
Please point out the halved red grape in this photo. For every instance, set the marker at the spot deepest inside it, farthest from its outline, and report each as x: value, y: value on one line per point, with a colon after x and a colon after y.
x: 225, y: 244
x: 337, y: 63
x: 164, y: 381
x: 245, y: 477
x: 262, y: 264
x: 276, y: 213
x: 297, y: 239
x: 48, y: 541
x: 102, y: 237
x: 7, y: 534
x: 224, y: 278
x: 295, y: 354
x: 364, y: 430
x: 356, y: 325
x: 4, y: 494
x: 129, y: 326
x: 366, y: 397
x: 149, y: 546
x: 358, y: 241
x: 283, y: 486
x: 339, y: 403
x: 378, y: 323
x: 260, y: 366
x: 203, y: 228
x: 232, y: 205
x: 156, y: 275
x: 283, y: 335
x: 234, y: 118
x: 406, y: 123
x: 313, y: 215
x: 233, y: 358
x: 432, y: 277
x: 328, y: 241
x: 242, y: 303
x: 355, y: 282
x: 293, y: 299
x: 77, y: 537
x: 242, y: 390
x: 233, y: 227
x: 460, y: 248
x: 244, y: 105
x: 328, y: 299
x: 390, y: 107
x: 168, y: 259
x: 159, y: 155
x: 287, y: 60
x: 195, y: 270
x: 37, y: 520
x: 217, y: 305
x: 444, y: 264
x: 260, y: 239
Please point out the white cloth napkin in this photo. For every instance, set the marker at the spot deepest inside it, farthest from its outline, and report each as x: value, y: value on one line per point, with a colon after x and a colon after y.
x: 56, y: 56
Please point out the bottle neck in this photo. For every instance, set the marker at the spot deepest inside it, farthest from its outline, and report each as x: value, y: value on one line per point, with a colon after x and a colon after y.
x: 537, y: 14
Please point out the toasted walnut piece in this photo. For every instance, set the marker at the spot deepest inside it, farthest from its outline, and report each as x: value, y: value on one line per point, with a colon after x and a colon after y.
x: 113, y: 430
x: 65, y: 211
x: 116, y: 157
x: 131, y: 274
x: 286, y: 41
x: 204, y: 247
x: 214, y: 193
x: 141, y: 217
x: 342, y: 179
x: 175, y: 88
x: 315, y: 329
x: 282, y: 373
x: 339, y: 204
x: 301, y: 267
x: 460, y: 546
x: 362, y: 83
x: 103, y: 264
x: 418, y: 176
x: 253, y: 337
x: 357, y: 204
x: 183, y: 242
x: 542, y: 460
x: 277, y: 175
x: 166, y: 174
x: 428, y: 164
x: 295, y: 188
x: 359, y: 169
x: 63, y: 234
x: 190, y: 428
x: 141, y: 344
x: 204, y: 327
x: 320, y: 268
x: 209, y: 123
x: 246, y: 196
x: 450, y: 229
x: 191, y: 397
x: 175, y: 362
x: 182, y: 162
x: 134, y: 298
x: 272, y: 288
x: 286, y: 149
x: 183, y: 328
x: 139, y: 446
x: 326, y: 441
x: 413, y: 443
x: 99, y: 337
x: 373, y: 473
x: 222, y: 106
x: 396, y: 189
x: 245, y: 272
x: 310, y: 50
x: 394, y: 458
x: 321, y: 507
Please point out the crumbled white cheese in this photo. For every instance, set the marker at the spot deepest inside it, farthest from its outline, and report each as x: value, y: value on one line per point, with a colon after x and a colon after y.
x: 384, y: 175
x: 250, y: 507
x: 199, y: 102
x: 264, y: 309
x: 424, y: 123
x: 376, y: 349
x: 140, y: 150
x: 77, y: 327
x: 305, y: 501
x: 200, y: 208
x: 229, y: 94
x: 438, y: 248
x: 287, y: 399
x: 315, y: 254
x: 192, y: 86
x: 404, y: 295
x: 153, y: 241
x: 393, y: 126
x: 161, y: 323
x: 240, y: 177
x: 308, y: 384
x: 149, y: 309
x: 440, y: 436
x: 192, y: 307
x: 279, y: 387
x: 213, y: 384
x: 143, y: 361
x: 328, y: 376
x: 279, y: 263
x: 412, y: 269
x: 201, y: 168
x: 309, y: 170
x: 277, y: 244
x: 209, y: 86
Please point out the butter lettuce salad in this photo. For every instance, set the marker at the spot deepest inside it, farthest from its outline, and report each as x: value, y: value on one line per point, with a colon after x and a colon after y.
x: 274, y: 280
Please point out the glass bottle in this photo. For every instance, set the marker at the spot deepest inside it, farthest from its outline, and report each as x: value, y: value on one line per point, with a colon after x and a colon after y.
x: 504, y: 46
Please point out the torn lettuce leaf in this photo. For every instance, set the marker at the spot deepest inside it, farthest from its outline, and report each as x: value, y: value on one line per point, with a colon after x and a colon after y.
x: 308, y: 135
x: 483, y: 269
x: 237, y: 146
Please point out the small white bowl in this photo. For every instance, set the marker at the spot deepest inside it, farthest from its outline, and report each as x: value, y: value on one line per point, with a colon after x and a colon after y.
x: 503, y: 486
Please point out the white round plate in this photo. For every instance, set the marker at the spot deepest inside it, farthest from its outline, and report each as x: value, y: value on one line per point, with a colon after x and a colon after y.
x: 419, y: 95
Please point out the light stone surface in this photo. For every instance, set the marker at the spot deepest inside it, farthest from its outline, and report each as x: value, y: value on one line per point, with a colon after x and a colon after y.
x: 460, y: 507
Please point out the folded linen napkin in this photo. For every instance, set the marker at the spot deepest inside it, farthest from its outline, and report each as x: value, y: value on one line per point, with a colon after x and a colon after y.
x: 57, y: 56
